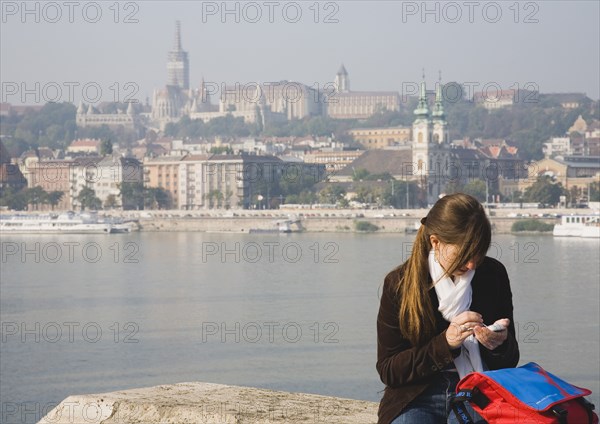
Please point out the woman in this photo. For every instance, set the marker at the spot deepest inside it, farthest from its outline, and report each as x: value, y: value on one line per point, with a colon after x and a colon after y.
x: 435, y: 308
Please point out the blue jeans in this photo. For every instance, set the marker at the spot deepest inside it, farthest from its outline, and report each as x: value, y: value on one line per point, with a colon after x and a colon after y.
x: 433, y: 406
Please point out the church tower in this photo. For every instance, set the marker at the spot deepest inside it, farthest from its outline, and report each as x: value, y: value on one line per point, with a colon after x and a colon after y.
x: 421, y: 135
x: 178, y: 67
x: 430, y: 145
x: 342, y: 82
x: 440, y: 132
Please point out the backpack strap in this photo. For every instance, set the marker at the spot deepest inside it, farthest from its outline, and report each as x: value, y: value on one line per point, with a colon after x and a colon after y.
x: 460, y: 410
x: 474, y: 396
x: 560, y: 413
x: 589, y: 407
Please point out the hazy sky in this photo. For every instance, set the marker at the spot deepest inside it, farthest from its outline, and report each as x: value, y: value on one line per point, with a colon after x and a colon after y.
x: 551, y: 45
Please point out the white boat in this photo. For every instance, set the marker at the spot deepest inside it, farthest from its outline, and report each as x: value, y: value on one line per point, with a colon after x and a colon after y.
x: 284, y: 227
x: 586, y: 226
x: 64, y: 223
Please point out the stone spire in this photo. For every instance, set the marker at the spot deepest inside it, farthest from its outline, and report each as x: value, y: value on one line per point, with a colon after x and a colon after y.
x: 342, y: 81
x: 438, y: 108
x: 177, y: 46
x: 422, y: 110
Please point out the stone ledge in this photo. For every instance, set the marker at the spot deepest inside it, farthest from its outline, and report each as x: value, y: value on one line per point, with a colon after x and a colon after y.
x: 199, y: 403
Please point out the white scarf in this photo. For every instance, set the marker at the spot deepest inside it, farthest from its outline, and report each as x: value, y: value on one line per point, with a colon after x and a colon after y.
x: 454, y: 298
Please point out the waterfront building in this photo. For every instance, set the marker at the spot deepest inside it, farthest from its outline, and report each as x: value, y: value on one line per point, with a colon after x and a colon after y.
x: 109, y: 174
x: 104, y: 175
x: 214, y: 181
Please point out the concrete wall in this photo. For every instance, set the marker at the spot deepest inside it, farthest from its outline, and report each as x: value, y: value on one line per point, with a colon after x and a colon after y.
x: 501, y: 225
x: 199, y: 403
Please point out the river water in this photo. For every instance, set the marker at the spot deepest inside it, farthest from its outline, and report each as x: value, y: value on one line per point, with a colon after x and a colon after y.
x: 91, y: 314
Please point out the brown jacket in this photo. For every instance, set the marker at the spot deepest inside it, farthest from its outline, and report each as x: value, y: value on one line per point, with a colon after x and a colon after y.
x: 407, y: 370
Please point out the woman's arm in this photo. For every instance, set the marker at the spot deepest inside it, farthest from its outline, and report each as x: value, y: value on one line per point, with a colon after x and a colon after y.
x: 398, y: 362
x: 507, y: 354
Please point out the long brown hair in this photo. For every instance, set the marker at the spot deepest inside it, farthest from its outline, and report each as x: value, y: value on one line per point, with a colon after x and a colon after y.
x: 457, y: 219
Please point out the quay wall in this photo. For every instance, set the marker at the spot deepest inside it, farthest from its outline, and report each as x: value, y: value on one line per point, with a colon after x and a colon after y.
x: 208, y: 403
x: 501, y: 225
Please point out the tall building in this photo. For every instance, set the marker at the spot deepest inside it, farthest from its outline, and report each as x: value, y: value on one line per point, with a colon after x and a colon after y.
x: 178, y: 66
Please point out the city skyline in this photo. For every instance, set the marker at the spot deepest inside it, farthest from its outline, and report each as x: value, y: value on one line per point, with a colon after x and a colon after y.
x: 384, y: 46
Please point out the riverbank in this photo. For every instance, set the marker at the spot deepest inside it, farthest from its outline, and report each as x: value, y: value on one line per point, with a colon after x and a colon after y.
x: 209, y: 403
x: 346, y: 223
x: 315, y: 220
x: 319, y: 225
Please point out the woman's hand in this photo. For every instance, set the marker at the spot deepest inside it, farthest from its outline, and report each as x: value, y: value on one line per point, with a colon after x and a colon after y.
x: 461, y: 327
x: 492, y: 339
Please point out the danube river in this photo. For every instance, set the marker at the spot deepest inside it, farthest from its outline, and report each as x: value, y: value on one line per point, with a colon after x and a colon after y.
x: 91, y: 314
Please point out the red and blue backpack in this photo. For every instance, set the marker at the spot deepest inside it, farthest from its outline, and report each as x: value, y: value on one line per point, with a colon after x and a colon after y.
x: 527, y: 394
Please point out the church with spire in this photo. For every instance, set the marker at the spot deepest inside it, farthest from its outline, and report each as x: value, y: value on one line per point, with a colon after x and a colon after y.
x: 431, y: 153
x: 177, y: 99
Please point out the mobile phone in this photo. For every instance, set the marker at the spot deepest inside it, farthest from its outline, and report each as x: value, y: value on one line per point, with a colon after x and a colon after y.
x: 496, y: 327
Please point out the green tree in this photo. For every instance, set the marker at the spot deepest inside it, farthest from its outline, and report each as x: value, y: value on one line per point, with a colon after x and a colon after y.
x: 106, y: 147
x: 157, y: 197
x: 595, y: 192
x: 214, y: 197
x: 87, y: 199
x: 54, y: 198
x: 331, y: 194
x: 360, y: 174
x: 111, y: 201
x: 544, y: 191
x: 296, y: 182
x: 395, y: 194
x: 221, y: 150
x: 132, y: 195
x: 13, y: 199
x: 476, y: 188
x: 36, y: 196
x: 384, y: 176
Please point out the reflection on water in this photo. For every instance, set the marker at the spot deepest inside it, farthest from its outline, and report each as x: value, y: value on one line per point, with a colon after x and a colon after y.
x: 290, y: 312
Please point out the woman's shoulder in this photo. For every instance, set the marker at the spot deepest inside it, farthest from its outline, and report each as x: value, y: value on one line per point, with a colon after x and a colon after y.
x: 390, y: 282
x: 394, y: 275
x: 492, y: 270
x: 492, y: 265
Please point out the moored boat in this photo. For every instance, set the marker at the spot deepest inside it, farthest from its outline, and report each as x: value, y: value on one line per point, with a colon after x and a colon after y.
x: 64, y: 223
x: 586, y: 226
